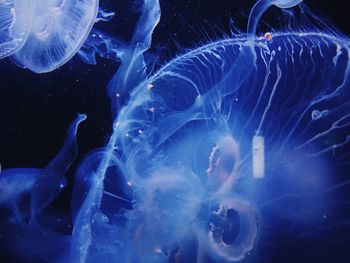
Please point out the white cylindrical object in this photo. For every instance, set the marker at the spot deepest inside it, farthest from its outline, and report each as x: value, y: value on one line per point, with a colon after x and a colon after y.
x: 258, y: 153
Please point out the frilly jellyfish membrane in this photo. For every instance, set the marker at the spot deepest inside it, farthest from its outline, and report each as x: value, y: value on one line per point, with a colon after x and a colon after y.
x: 43, y: 35
x: 14, y: 24
x: 209, y: 156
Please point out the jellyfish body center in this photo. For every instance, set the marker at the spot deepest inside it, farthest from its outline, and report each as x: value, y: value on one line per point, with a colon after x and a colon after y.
x: 46, y: 16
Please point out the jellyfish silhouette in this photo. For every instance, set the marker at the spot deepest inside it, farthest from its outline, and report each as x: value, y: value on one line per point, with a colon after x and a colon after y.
x: 44, y: 35
x: 41, y: 185
x: 216, y: 151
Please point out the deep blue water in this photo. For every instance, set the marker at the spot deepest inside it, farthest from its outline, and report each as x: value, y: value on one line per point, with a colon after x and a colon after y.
x: 37, y: 109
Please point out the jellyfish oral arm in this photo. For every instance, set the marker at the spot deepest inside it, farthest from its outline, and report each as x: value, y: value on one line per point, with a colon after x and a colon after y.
x: 132, y: 69
x: 103, y: 15
x: 42, y: 185
x: 103, y: 45
x: 261, y: 6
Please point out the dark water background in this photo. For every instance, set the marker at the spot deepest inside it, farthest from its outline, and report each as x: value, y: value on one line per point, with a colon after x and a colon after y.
x: 36, y: 110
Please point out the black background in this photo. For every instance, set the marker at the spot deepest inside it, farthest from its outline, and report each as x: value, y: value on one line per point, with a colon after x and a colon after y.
x: 36, y: 109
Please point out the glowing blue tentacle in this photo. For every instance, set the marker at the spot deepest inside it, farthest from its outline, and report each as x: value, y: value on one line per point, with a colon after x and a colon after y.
x: 261, y: 6
x: 132, y: 70
x: 43, y: 185
x: 103, y: 45
x: 52, y: 179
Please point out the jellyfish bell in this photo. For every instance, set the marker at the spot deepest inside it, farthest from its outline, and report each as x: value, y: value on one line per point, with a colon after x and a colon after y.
x: 44, y: 36
x: 15, y: 21
x: 282, y: 135
x: 58, y: 30
x: 286, y: 3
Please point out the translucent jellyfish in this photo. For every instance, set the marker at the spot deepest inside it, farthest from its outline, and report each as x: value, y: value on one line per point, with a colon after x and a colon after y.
x: 217, y: 149
x: 45, y: 35
x: 15, y: 23
x: 262, y: 5
x: 214, y: 152
x: 27, y: 191
x: 103, y: 45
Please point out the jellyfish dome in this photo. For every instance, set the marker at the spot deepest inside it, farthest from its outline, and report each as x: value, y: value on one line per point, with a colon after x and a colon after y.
x: 230, y: 117
x: 51, y: 32
x: 220, y: 146
x: 15, y: 21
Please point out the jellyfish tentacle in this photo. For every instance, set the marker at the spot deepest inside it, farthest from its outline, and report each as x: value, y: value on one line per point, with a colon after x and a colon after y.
x: 261, y: 6
x: 52, y: 178
x: 42, y: 185
x: 103, y: 45
x: 103, y: 15
x: 133, y: 68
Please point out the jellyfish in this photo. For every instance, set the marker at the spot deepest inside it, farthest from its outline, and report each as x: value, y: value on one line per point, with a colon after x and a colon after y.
x: 217, y: 147
x: 14, y: 23
x: 101, y: 44
x: 262, y: 5
x: 41, y: 185
x: 44, y: 36
x: 50, y: 32
x: 26, y: 197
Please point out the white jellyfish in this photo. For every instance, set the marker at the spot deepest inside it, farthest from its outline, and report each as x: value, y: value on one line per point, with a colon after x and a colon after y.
x: 14, y: 25
x: 43, y: 35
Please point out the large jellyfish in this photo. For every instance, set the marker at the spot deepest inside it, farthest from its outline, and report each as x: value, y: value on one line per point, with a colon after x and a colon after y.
x: 43, y: 35
x: 227, y: 153
x: 218, y: 148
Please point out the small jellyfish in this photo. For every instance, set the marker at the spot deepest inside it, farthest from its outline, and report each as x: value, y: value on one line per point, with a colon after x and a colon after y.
x: 48, y: 34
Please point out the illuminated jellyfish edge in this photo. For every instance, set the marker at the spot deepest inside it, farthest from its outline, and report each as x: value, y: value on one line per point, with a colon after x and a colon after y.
x: 44, y: 184
x: 261, y: 6
x: 22, y: 61
x: 6, y: 45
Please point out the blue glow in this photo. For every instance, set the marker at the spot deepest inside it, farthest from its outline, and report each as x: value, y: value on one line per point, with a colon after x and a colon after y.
x: 14, y: 31
x: 43, y: 35
x: 41, y: 185
x: 177, y: 180
x: 261, y: 6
